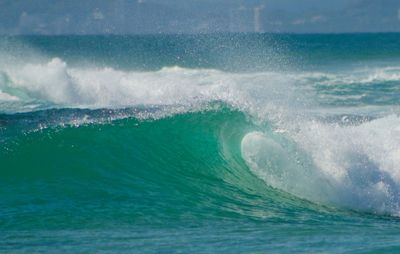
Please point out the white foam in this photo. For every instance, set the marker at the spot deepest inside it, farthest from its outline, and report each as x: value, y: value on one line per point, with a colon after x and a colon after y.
x: 4, y: 97
x: 56, y: 83
x: 354, y: 76
x: 358, y: 166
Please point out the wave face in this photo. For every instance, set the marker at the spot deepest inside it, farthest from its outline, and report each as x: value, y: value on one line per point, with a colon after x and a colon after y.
x: 173, y: 139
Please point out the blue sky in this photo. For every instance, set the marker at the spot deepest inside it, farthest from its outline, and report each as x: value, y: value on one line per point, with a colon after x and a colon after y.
x: 197, y: 16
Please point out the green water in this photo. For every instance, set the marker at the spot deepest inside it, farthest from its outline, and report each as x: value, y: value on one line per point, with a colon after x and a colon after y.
x: 199, y: 144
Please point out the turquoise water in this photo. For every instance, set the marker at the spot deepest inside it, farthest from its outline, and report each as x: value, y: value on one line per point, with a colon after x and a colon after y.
x: 198, y: 144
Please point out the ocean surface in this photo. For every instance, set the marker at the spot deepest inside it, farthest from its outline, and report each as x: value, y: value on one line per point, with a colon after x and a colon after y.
x: 225, y: 143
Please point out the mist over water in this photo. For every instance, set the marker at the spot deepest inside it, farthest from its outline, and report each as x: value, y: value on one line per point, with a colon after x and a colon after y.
x: 146, y: 131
